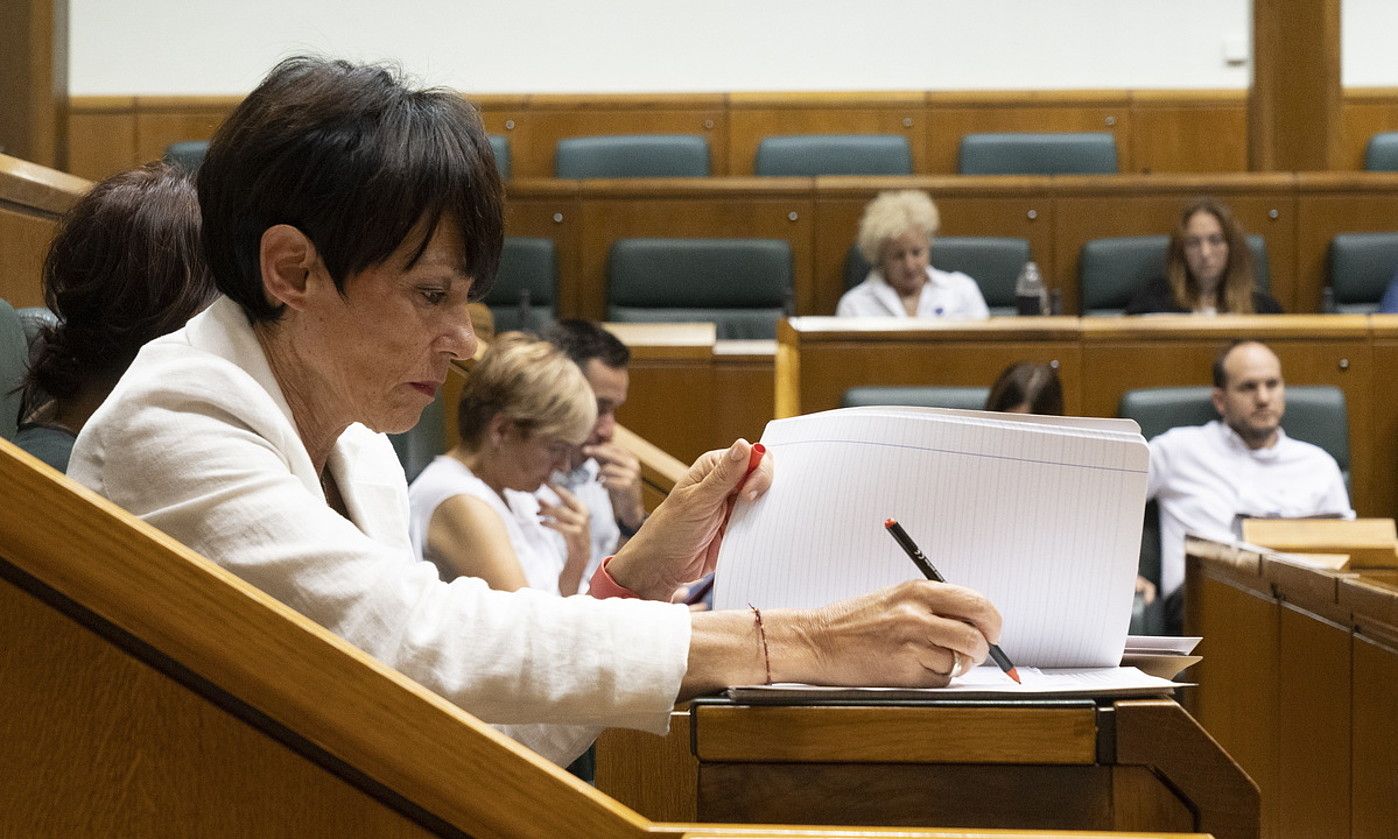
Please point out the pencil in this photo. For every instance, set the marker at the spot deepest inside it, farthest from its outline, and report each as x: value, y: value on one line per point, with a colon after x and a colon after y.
x: 930, y: 572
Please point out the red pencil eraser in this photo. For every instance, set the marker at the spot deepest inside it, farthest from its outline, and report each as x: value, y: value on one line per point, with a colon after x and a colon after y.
x: 889, y: 522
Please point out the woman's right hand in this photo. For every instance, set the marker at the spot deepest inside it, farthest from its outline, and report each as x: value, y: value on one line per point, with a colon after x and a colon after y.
x: 909, y: 635
x: 573, y: 521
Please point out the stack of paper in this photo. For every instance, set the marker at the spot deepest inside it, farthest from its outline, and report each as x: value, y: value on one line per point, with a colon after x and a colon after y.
x: 1040, y: 514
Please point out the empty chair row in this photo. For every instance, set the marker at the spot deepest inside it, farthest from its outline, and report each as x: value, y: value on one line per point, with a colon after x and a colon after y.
x: 687, y: 155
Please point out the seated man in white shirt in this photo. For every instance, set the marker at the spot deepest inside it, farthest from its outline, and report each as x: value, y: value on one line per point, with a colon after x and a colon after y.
x: 1206, y: 478
x: 895, y: 236
x: 608, y: 478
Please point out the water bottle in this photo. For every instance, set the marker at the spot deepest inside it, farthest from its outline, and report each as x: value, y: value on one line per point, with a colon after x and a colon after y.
x: 1031, y: 298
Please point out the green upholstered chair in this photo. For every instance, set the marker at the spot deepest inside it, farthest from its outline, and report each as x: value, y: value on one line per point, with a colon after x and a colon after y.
x: 187, y: 154
x: 14, y: 361
x: 417, y: 446
x: 834, y: 154
x: 1361, y: 266
x: 633, y: 156
x: 741, y: 285
x: 969, y: 398
x: 523, y: 296
x: 1111, y: 271
x: 500, y: 147
x: 1091, y: 153
x: 1381, y: 155
x: 993, y: 262
x: 1315, y: 414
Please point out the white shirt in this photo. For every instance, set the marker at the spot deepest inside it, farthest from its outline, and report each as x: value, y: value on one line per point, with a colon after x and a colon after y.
x: 946, y: 294
x: 1205, y: 477
x: 606, y: 534
x: 540, y: 551
x: 197, y: 440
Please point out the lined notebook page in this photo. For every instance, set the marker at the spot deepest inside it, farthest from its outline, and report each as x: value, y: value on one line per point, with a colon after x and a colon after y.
x: 1042, y: 518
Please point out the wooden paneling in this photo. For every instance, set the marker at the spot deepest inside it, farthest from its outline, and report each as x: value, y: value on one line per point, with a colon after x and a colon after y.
x: 24, y: 239
x: 157, y: 129
x: 1383, y: 417
x: 139, y: 755
x: 739, y: 208
x: 952, y: 116
x: 553, y: 118
x: 744, y: 383
x: 34, y: 80
x: 655, y: 776
x: 102, y: 143
x: 754, y: 117
x: 1364, y: 114
x: 1237, y: 700
x: 550, y: 210
x: 1198, y: 132
x: 1374, y: 744
x: 1313, y: 726
x: 1327, y: 204
x: 873, y: 734
x: 1294, y: 104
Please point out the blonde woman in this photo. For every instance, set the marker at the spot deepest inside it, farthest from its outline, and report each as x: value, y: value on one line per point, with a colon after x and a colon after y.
x: 895, y: 236
x: 524, y: 413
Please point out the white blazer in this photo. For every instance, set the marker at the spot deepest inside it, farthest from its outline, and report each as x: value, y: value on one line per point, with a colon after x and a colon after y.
x: 198, y: 440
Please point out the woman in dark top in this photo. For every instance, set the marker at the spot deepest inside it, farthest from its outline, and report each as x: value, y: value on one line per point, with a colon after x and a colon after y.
x: 125, y: 267
x: 1208, y: 269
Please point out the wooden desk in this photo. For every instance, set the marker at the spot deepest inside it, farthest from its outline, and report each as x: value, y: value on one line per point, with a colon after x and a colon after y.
x: 1300, y: 683
x: 1140, y: 764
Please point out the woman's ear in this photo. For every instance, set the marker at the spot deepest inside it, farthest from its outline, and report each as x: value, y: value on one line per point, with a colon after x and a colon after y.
x: 498, y: 429
x: 287, y: 258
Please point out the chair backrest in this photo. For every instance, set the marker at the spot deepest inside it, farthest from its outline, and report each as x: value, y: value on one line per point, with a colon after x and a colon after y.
x: 187, y: 154
x: 500, y: 147
x: 834, y: 154
x: 969, y: 398
x: 524, y: 294
x: 1111, y: 271
x: 633, y: 156
x: 14, y: 361
x: 1091, y: 153
x: 35, y: 318
x: 1361, y: 267
x: 741, y: 285
x: 1381, y: 155
x: 994, y: 262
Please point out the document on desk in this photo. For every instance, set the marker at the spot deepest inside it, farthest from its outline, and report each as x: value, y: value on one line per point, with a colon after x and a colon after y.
x: 1040, y: 514
x: 981, y: 683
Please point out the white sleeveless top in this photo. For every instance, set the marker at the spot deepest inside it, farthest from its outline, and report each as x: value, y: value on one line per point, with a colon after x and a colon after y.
x: 540, y: 551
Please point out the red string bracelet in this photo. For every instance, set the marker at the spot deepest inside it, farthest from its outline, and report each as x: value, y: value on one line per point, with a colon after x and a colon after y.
x: 762, y: 636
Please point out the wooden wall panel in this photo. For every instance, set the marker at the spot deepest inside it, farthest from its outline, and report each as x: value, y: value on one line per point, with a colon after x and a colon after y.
x: 1294, y: 101
x: 1361, y: 117
x: 732, y: 213
x: 1374, y: 808
x: 949, y: 120
x: 24, y: 240
x: 1313, y: 726
x: 157, y: 129
x: 553, y: 118
x: 550, y: 211
x: 1384, y: 416
x: 102, y: 143
x: 1188, y: 137
x: 34, y: 80
x: 744, y: 390
x: 1321, y: 213
x: 139, y: 755
x: 753, y: 117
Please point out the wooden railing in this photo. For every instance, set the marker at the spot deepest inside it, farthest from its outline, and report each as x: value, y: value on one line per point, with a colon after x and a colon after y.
x: 31, y: 200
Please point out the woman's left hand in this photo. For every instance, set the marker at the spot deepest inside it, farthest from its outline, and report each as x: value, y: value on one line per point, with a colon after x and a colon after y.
x: 679, y: 542
x: 573, y: 521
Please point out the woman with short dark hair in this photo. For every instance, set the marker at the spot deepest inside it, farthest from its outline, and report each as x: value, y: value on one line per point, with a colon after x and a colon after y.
x: 1027, y: 387
x: 124, y: 268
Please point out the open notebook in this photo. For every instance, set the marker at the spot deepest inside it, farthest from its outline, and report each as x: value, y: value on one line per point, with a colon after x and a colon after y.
x: 1040, y: 514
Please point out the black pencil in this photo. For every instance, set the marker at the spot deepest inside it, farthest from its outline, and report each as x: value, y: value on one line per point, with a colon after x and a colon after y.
x: 930, y: 572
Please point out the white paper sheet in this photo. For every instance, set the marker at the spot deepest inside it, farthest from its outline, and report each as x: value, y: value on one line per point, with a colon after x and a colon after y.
x: 1043, y: 518
x: 981, y: 682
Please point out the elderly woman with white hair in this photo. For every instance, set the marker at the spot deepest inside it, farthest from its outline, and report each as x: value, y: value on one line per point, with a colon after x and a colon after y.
x: 895, y: 236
